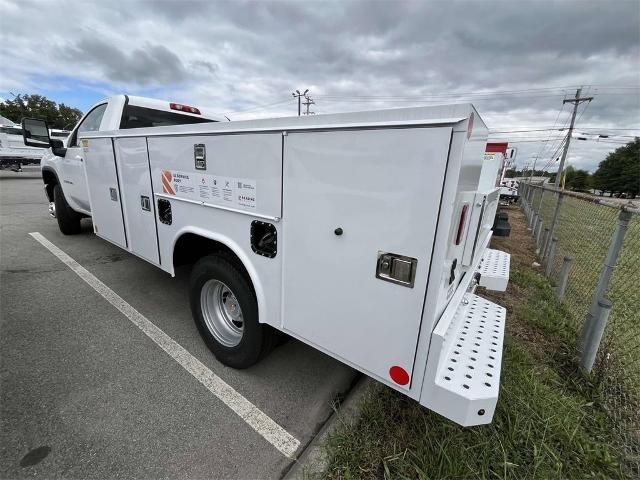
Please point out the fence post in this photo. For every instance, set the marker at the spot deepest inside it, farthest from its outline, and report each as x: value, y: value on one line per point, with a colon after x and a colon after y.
x: 543, y: 241
x: 552, y: 228
x: 532, y: 194
x: 551, y: 257
x: 538, y: 230
x: 541, y: 198
x: 605, y: 275
x: 522, y: 199
x: 563, y: 278
x: 595, y: 336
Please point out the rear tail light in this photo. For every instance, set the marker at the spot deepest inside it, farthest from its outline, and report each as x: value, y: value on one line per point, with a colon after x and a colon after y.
x: 463, y: 217
x: 184, y: 108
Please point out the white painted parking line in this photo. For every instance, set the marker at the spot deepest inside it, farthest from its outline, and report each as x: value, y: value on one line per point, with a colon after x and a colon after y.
x: 256, y: 418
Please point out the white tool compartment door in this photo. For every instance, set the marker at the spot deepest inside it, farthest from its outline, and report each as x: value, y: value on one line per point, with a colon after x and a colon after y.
x: 383, y: 189
x: 239, y: 172
x: 137, y: 197
x: 104, y: 190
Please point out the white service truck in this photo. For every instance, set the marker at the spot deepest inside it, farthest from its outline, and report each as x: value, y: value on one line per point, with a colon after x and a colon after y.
x: 361, y: 234
x: 62, y: 164
x: 13, y: 151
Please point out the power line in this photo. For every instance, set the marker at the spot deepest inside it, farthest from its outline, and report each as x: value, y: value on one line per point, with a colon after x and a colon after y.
x: 553, y: 158
x: 581, y: 128
x: 575, y: 101
x: 258, y: 107
x: 493, y: 92
x: 526, y: 131
x: 299, y: 95
x: 424, y: 99
x: 504, y: 132
x: 308, y: 103
x: 560, y: 141
x: 546, y: 143
x: 466, y: 94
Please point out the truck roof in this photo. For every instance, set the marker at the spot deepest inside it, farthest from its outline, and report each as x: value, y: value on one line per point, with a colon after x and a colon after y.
x: 165, y: 105
x: 431, y: 115
x: 5, y: 122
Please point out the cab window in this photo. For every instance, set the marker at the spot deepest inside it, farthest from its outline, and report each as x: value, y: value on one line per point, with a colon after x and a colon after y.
x: 11, y: 130
x: 141, y: 117
x: 91, y: 123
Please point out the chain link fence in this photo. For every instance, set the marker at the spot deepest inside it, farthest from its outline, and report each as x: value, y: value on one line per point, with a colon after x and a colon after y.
x: 589, y: 247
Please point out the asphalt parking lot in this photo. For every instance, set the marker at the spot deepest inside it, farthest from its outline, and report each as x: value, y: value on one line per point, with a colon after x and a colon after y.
x: 85, y: 393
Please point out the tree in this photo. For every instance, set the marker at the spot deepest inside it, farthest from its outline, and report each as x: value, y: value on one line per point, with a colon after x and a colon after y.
x: 69, y: 116
x: 575, y: 179
x: 513, y: 173
x: 37, y: 106
x: 620, y: 172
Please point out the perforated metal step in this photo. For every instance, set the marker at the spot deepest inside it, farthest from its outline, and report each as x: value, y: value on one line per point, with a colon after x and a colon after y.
x: 494, y: 270
x: 466, y: 356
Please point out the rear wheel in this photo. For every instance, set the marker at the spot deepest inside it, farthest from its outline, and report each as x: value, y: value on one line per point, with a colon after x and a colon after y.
x: 225, y: 310
x: 68, y: 219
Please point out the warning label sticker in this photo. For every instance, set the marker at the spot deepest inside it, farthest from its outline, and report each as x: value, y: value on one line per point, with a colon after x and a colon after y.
x: 228, y: 191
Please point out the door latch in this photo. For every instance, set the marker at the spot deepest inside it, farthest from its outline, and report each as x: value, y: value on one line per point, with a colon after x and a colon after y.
x: 145, y: 203
x: 114, y: 194
x: 396, y: 268
x: 200, y: 156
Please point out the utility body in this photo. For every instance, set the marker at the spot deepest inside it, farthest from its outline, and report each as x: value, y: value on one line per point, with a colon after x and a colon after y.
x: 500, y: 151
x: 361, y: 234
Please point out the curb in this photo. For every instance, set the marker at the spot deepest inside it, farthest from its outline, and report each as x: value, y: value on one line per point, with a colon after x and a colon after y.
x: 313, y: 461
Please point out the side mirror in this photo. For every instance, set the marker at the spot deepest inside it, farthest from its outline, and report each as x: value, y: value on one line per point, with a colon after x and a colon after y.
x: 35, y: 133
x: 57, y: 147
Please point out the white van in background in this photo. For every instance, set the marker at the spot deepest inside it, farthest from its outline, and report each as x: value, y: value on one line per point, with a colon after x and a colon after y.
x: 13, y: 152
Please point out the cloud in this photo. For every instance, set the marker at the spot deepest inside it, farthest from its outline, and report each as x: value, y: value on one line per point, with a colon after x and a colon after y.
x: 236, y: 55
x: 149, y: 64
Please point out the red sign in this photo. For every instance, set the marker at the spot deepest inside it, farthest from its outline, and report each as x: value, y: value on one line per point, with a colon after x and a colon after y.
x: 497, y: 148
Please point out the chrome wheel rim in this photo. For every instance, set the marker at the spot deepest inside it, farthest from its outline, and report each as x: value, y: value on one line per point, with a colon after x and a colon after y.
x: 222, y: 313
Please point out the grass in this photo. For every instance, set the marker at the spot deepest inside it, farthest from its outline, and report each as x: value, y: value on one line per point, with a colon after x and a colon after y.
x: 584, y: 231
x: 549, y: 421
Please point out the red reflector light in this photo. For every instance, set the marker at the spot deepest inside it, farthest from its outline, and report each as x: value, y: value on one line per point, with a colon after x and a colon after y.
x: 463, y: 217
x: 184, y: 108
x: 399, y: 375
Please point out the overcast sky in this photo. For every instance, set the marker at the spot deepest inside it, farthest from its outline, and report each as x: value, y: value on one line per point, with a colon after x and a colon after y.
x: 514, y: 60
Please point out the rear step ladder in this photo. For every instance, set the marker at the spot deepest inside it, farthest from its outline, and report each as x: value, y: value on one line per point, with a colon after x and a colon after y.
x: 465, y: 357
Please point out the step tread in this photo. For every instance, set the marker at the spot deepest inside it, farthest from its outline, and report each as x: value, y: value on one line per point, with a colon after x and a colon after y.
x: 494, y: 270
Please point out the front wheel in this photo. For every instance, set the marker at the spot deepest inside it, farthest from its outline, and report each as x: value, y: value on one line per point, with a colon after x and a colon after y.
x: 225, y: 310
x: 68, y: 219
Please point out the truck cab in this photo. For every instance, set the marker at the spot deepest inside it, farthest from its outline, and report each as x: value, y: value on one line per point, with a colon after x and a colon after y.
x: 62, y: 165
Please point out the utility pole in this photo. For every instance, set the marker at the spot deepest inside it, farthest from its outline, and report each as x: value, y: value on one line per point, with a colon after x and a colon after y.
x: 300, y: 95
x: 309, y: 102
x: 576, y: 101
x: 535, y: 159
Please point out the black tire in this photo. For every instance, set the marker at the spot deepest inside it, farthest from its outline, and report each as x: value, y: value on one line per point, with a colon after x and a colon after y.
x: 68, y: 219
x: 257, y: 339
